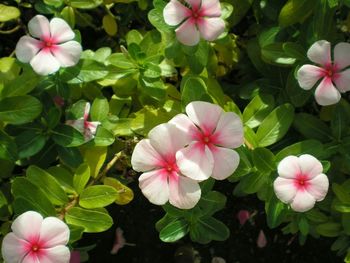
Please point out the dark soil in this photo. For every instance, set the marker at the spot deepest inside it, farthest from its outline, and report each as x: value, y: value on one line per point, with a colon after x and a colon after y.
x: 139, y: 217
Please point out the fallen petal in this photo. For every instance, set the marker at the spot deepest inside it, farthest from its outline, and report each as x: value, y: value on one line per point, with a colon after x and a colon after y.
x: 261, y: 242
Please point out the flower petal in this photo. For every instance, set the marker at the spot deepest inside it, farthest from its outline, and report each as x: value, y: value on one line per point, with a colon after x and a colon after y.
x: 60, y: 30
x: 195, y: 4
x: 31, y: 258
x: 92, y: 126
x: 67, y: 54
x: 289, y: 167
x: 310, y: 166
x: 229, y: 131
x: 204, y: 114
x: 57, y: 254
x: 342, y: 80
x: 195, y: 161
x: 54, y: 232
x: 308, y: 75
x: 225, y: 162
x: 318, y: 187
x: 184, y: 193
x: 175, y: 12
x: 187, y: 33
x: 154, y: 186
x: 320, y: 53
x: 188, y: 128
x: 39, y: 27
x: 211, y: 8
x: 13, y: 249
x: 326, y: 93
x: 285, y: 189
x: 44, y: 63
x: 145, y: 157
x: 342, y: 55
x: 21, y: 229
x: 77, y: 124
x: 167, y: 139
x: 26, y: 48
x: 211, y: 28
x: 303, y: 201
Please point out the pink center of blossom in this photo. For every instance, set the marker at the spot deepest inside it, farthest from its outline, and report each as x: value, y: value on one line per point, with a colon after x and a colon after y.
x: 171, y: 167
x: 48, y: 44
x: 35, y: 248
x: 329, y: 71
x: 301, y: 181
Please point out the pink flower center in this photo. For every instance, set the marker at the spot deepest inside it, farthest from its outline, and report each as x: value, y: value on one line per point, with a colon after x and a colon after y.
x: 35, y: 248
x: 171, y: 167
x: 48, y: 43
x: 330, y: 71
x: 301, y: 182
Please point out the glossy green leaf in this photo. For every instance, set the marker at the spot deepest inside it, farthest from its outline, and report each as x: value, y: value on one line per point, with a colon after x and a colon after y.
x: 174, y: 231
x: 257, y: 110
x: 8, y: 147
x: 264, y: 160
x: 67, y: 136
x: 29, y: 143
x: 97, y: 196
x: 81, y: 177
x: 8, y: 13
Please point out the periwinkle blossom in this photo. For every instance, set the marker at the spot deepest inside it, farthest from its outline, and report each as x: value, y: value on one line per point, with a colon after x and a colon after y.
x: 162, y: 180
x: 88, y: 128
x: 301, y: 182
x: 49, y: 46
x: 334, y: 76
x: 36, y: 240
x: 199, y: 18
x: 211, y: 134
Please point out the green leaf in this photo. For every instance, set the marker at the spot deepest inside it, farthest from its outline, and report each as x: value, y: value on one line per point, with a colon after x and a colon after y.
x: 97, y: 196
x: 264, y: 160
x: 174, y: 231
x: 124, y: 194
x: 194, y: 89
x: 95, y: 158
x: 92, y: 221
x: 23, y: 188
x: 312, y: 127
x: 304, y: 226
x: 312, y: 147
x: 8, y: 13
x: 274, y: 54
x: 251, y: 183
x: 212, y: 202
x: 207, y: 229
x: 76, y: 233
x: 48, y: 184
x: 63, y: 176
x: 81, y: 177
x: 275, y: 125
x: 151, y: 71
x: 295, y: 11
x: 341, y: 193
x: 329, y: 229
x: 67, y: 136
x: 90, y: 70
x: 8, y: 148
x: 99, y: 109
x: 68, y: 15
x: 257, y: 110
x: 19, y: 109
x: 29, y: 143
x: 121, y: 61
x: 275, y: 211
x: 103, y: 137
x: 110, y: 25
x: 69, y: 156
x: 316, y: 216
x: 85, y: 4
x: 21, y: 85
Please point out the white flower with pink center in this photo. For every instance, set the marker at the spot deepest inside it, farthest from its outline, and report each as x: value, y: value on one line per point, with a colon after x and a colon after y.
x: 334, y: 76
x: 88, y: 128
x: 49, y: 46
x: 36, y: 240
x: 197, y: 18
x: 162, y: 180
x: 211, y: 134
x: 301, y: 182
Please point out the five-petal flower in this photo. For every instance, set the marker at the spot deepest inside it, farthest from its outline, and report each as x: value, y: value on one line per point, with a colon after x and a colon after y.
x: 334, y: 76
x: 162, y: 180
x: 301, y: 182
x: 210, y: 133
x: 202, y: 18
x: 50, y: 45
x: 36, y: 240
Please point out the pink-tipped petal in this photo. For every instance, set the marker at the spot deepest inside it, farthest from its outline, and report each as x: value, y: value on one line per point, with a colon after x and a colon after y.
x: 167, y: 139
x: 68, y: 54
x: 187, y: 33
x: 145, y: 157
x: 211, y: 8
x: 225, y: 162
x: 21, y: 229
x: 92, y: 126
x: 318, y: 187
x: 342, y: 80
x: 320, y: 53
x: 57, y: 254
x: 86, y: 111
x: 204, y: 114
x: 77, y: 124
x: 183, y: 123
x: 285, y: 189
x: 184, y: 192
x: 175, y: 12
x: 54, y: 232
x: 303, y: 201
x: 195, y: 161
x: 32, y: 258
x: 342, y: 55
x: 154, y: 186
x: 211, y: 28
x: 60, y: 30
x: 310, y: 166
x: 289, y: 167
x: 44, y: 63
x: 308, y: 75
x: 195, y: 4
x: 39, y: 27
x: 326, y: 94
x: 13, y: 249
x: 229, y: 131
x: 26, y: 48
